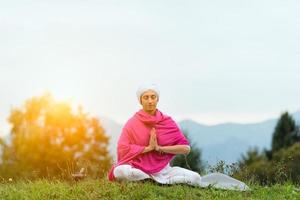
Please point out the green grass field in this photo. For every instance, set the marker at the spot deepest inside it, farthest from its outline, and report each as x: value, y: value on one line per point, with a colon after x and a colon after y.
x: 102, y: 189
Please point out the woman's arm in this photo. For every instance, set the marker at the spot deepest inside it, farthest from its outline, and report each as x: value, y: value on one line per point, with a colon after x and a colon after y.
x: 176, y: 149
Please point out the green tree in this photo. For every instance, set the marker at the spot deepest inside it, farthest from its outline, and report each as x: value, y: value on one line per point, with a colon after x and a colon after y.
x: 191, y: 161
x: 286, y: 133
x: 280, y: 163
x: 51, y: 139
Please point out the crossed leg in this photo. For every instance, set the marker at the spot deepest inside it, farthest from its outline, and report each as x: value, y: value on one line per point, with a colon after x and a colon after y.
x: 173, y: 175
x: 128, y: 173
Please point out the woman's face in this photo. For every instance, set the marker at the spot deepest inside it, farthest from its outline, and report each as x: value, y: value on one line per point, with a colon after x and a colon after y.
x: 149, y: 101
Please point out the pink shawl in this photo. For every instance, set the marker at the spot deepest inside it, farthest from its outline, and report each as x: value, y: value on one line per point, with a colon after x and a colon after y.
x: 135, y: 137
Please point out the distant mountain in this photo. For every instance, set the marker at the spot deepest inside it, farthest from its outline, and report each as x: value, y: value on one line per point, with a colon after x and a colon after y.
x: 218, y: 142
x: 229, y: 151
x: 228, y: 141
x: 296, y: 116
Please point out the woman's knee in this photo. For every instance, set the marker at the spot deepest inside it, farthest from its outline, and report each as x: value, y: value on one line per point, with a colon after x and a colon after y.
x: 122, y: 172
x: 126, y: 172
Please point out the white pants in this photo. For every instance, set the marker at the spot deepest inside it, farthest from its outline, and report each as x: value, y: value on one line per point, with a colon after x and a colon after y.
x: 173, y: 175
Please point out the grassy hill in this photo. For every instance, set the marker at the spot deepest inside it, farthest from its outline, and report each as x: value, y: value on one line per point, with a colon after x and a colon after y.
x: 102, y: 189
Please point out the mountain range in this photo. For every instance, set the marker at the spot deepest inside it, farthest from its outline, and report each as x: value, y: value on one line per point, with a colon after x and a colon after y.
x: 226, y: 142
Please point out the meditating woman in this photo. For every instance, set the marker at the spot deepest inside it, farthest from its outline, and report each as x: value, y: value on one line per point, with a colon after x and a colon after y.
x: 148, y: 142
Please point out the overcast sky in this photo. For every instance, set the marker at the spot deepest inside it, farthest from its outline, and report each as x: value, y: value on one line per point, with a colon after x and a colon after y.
x: 215, y: 61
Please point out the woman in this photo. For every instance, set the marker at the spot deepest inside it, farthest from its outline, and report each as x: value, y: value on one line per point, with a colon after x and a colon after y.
x: 148, y: 142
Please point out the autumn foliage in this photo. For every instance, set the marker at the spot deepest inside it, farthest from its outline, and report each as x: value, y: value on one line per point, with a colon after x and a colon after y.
x: 49, y: 138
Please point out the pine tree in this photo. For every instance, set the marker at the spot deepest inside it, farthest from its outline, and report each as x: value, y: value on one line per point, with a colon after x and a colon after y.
x: 286, y: 133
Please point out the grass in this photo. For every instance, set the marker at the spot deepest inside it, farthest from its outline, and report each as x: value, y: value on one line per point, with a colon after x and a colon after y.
x: 102, y: 189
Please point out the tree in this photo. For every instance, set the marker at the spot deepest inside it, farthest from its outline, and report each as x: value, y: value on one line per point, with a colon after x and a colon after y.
x: 192, y: 161
x: 50, y: 139
x: 286, y: 133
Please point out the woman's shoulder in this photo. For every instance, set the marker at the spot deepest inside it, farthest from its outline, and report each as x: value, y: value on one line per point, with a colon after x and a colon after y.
x: 169, y: 120
x: 129, y: 123
x: 167, y: 117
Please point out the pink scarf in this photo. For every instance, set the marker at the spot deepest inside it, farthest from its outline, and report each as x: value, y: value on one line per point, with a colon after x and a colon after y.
x: 135, y: 137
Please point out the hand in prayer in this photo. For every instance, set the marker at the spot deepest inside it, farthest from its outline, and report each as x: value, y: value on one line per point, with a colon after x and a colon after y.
x: 153, y: 145
x: 153, y: 140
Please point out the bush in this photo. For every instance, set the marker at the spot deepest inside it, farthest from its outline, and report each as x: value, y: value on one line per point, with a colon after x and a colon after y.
x: 284, y: 167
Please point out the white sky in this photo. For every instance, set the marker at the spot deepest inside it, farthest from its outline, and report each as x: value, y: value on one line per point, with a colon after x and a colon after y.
x: 215, y: 61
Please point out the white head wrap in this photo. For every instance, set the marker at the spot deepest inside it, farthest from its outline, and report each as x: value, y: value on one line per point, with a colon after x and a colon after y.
x: 145, y: 87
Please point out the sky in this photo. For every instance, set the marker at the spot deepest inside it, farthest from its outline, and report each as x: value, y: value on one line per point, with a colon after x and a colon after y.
x: 214, y: 61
